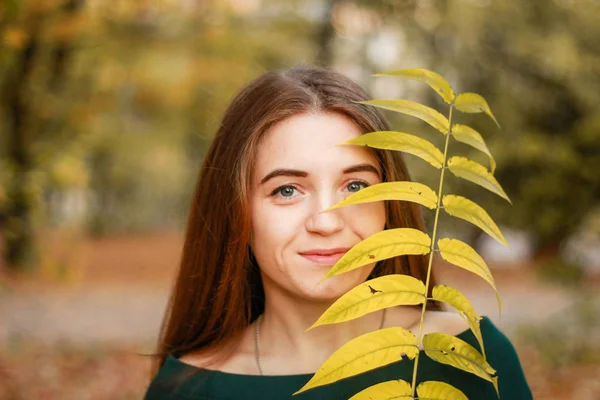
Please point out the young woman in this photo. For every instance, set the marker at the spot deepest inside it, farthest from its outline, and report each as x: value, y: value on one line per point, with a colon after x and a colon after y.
x: 258, y: 243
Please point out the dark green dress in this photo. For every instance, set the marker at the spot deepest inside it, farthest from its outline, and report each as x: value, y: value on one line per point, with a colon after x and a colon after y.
x: 177, y: 380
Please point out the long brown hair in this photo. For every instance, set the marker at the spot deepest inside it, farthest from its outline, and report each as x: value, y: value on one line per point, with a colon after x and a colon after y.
x: 218, y: 291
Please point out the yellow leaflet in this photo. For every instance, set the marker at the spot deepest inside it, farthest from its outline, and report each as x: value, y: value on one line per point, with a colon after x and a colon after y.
x: 407, y: 191
x: 474, y: 172
x: 463, y: 208
x: 464, y: 307
x: 397, y: 389
x: 390, y: 140
x: 470, y: 136
x: 381, y: 246
x: 427, y: 114
x: 495, y: 383
x: 433, y: 390
x: 372, y: 295
x: 448, y: 349
x: 473, y: 103
x: 464, y: 256
x: 434, y: 80
x: 366, y: 352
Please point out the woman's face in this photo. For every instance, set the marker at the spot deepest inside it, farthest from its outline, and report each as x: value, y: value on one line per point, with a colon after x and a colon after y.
x: 300, y: 171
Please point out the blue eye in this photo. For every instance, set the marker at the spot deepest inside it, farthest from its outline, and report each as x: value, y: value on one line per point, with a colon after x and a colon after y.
x: 287, y: 191
x: 356, y: 185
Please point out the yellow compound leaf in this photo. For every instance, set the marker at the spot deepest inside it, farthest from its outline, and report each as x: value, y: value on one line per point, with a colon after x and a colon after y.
x: 433, y: 390
x: 396, y: 389
x: 473, y: 103
x: 470, y: 136
x: 407, y: 191
x: 463, y: 208
x: 381, y: 246
x: 364, y: 353
x: 474, y: 172
x: 373, y: 295
x: 464, y: 256
x: 448, y: 349
x: 464, y: 307
x: 427, y: 114
x: 434, y: 80
x: 390, y: 140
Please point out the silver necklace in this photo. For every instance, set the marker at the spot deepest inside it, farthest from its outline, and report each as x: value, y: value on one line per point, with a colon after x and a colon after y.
x: 256, y: 339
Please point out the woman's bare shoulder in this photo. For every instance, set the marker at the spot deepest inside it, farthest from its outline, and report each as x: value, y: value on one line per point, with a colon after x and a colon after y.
x: 203, y: 358
x: 238, y: 362
x: 446, y: 322
x: 434, y: 321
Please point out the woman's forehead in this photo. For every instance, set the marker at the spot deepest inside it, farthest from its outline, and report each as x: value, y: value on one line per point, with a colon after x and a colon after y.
x: 312, y: 141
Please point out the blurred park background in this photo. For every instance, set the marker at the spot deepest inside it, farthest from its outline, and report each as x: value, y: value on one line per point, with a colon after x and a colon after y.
x: 107, y: 108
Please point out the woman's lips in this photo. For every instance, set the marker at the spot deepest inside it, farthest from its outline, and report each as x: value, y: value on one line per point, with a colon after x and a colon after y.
x: 324, y: 260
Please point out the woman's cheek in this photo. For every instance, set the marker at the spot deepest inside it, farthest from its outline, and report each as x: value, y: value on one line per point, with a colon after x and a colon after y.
x: 276, y: 219
x: 371, y: 217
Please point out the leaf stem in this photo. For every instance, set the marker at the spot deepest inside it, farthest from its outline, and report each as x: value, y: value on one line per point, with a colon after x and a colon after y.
x: 431, y: 252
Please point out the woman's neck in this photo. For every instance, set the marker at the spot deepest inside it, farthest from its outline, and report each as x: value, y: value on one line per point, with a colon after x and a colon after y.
x: 283, y: 337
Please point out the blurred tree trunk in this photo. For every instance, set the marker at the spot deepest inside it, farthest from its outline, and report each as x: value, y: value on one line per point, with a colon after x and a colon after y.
x: 22, y: 130
x: 325, y: 36
x: 59, y: 59
x: 18, y: 230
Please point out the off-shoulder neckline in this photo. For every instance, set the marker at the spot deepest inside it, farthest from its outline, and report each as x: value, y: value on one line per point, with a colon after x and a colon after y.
x: 171, y: 359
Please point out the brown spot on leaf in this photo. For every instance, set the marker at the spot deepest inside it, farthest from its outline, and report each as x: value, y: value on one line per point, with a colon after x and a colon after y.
x: 373, y: 291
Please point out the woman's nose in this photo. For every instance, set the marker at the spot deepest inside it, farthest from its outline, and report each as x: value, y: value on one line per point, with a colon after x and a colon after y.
x: 325, y: 223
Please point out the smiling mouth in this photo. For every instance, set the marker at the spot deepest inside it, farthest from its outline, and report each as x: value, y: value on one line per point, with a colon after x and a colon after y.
x: 324, y: 259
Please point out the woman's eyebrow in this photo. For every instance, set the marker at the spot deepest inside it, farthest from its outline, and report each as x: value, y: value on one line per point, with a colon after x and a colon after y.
x: 361, y: 168
x: 304, y: 174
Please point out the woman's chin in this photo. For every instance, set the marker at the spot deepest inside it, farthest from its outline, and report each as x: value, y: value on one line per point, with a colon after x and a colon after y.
x: 330, y: 289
